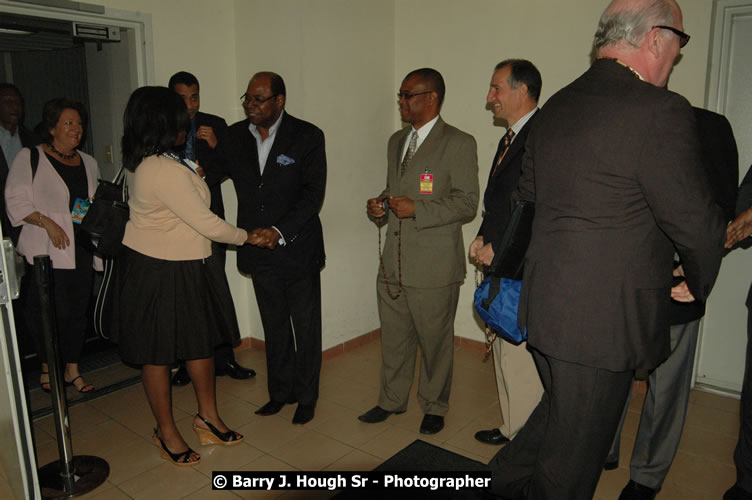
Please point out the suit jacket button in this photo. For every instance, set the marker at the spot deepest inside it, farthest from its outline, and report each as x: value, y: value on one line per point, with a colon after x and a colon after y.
x: 262, y: 208
x: 396, y: 233
x: 261, y: 185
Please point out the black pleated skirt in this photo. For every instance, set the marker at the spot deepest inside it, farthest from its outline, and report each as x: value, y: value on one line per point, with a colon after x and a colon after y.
x: 167, y: 310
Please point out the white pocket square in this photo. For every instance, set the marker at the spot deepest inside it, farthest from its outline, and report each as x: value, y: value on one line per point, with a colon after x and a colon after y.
x: 284, y: 160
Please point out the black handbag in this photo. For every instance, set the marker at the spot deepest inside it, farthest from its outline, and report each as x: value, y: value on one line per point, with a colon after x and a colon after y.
x: 108, y: 213
x: 105, y: 222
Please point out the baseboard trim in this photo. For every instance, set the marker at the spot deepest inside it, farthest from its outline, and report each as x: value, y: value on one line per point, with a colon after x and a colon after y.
x: 349, y: 345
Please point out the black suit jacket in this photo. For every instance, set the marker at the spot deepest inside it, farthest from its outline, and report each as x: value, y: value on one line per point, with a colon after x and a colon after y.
x: 614, y: 167
x: 721, y: 161
x: 743, y: 202
x: 28, y: 139
x: 287, y: 196
x: 211, y: 159
x: 497, y: 197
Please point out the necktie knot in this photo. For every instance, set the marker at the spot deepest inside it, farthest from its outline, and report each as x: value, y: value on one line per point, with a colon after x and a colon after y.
x: 508, y: 137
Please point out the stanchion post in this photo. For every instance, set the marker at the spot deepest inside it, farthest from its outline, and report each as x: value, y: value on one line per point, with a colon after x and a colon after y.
x: 70, y: 475
x: 43, y: 275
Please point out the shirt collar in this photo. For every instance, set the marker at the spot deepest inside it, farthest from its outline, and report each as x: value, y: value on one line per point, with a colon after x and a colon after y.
x: 425, y: 129
x: 272, y: 130
x: 517, y: 126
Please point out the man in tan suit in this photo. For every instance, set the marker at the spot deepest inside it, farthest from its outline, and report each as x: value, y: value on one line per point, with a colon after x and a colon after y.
x: 431, y: 191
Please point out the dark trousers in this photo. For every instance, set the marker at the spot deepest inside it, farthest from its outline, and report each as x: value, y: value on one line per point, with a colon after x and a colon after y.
x: 743, y: 452
x: 223, y: 354
x: 71, y: 292
x: 290, y: 308
x: 560, y: 451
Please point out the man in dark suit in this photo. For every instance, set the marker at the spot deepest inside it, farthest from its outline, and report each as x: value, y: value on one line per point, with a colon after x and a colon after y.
x: 278, y: 165
x: 201, y: 143
x: 739, y: 231
x: 665, y: 407
x: 13, y: 137
x: 513, y: 96
x: 615, y: 169
x: 431, y: 191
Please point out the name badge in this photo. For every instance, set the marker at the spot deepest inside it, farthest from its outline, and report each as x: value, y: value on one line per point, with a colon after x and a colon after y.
x: 80, y: 208
x: 426, y: 184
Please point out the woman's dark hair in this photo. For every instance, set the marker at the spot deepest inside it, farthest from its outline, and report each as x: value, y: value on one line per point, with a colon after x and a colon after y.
x: 152, y: 121
x: 51, y: 115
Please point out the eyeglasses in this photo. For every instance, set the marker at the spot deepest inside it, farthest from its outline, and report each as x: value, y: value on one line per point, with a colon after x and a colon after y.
x: 256, y: 99
x: 683, y: 37
x: 407, y: 95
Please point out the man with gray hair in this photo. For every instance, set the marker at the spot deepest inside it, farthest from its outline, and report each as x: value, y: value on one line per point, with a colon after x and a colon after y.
x: 513, y: 95
x: 618, y: 190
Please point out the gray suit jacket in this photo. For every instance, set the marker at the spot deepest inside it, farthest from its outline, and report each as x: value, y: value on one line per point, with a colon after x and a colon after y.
x: 432, y: 249
x: 615, y: 168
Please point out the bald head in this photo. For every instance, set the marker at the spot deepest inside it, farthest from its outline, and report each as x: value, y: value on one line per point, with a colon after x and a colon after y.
x: 627, y: 22
x: 647, y: 35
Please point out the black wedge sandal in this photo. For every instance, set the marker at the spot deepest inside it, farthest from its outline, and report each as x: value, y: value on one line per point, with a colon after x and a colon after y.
x: 212, y: 435
x: 182, y: 459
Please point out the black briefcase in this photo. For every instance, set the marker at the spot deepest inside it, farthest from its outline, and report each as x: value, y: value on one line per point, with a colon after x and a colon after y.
x: 508, y: 261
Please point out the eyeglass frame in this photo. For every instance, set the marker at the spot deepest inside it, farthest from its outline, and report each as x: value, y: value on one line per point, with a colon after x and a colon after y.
x: 407, y: 96
x: 683, y: 37
x: 256, y: 99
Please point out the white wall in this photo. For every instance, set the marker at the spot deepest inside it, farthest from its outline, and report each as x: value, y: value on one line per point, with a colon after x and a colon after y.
x: 336, y: 57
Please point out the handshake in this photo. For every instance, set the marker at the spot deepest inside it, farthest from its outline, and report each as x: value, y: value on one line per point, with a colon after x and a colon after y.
x: 264, y: 237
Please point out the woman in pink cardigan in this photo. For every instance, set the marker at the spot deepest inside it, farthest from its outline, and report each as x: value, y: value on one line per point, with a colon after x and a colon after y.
x: 171, y: 307
x: 43, y: 206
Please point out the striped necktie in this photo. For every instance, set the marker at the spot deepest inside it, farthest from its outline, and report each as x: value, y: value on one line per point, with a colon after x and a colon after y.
x: 503, y: 148
x: 410, y: 151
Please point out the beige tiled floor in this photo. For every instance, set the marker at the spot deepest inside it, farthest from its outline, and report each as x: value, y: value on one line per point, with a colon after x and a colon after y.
x: 118, y: 427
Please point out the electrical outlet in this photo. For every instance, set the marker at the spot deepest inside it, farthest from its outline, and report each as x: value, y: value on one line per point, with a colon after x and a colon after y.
x: 108, y: 153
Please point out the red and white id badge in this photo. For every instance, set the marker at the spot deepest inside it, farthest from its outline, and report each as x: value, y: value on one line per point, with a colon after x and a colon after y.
x: 426, y: 184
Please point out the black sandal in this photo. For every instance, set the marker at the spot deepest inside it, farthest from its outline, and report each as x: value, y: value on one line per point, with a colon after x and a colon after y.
x: 82, y: 390
x: 182, y: 459
x: 42, y: 384
x: 212, y: 435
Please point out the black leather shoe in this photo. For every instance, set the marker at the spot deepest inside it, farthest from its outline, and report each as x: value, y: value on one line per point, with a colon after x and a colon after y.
x: 235, y: 371
x: 736, y: 492
x: 270, y: 408
x: 636, y: 491
x: 493, y: 436
x: 181, y: 376
x: 303, y: 414
x: 611, y: 464
x: 377, y: 414
x: 431, y: 424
